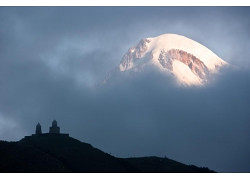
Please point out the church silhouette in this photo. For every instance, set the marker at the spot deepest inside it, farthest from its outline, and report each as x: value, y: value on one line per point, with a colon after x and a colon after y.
x: 53, y: 130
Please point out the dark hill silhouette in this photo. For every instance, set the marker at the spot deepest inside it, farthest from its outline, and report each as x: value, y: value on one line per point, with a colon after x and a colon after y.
x: 58, y: 153
x: 157, y: 164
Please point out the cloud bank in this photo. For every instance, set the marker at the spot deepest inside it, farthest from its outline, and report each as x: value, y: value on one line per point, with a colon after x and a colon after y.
x: 51, y: 59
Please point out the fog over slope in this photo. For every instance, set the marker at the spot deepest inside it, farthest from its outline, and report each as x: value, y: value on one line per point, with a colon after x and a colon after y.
x: 51, y: 59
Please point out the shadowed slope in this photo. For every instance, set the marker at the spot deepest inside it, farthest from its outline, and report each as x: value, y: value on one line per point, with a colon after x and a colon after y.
x: 59, y: 153
x: 157, y: 164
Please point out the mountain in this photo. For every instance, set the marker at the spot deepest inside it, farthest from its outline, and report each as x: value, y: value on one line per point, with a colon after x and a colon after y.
x: 57, y: 153
x: 188, y: 61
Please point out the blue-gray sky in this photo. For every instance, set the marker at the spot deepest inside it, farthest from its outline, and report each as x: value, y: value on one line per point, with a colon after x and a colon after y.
x: 52, y: 57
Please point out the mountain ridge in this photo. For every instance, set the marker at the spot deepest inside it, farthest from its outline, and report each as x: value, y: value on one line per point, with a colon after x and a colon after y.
x: 56, y: 153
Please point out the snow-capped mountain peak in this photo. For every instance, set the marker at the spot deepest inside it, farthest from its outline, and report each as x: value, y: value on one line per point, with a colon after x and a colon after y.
x: 189, y: 61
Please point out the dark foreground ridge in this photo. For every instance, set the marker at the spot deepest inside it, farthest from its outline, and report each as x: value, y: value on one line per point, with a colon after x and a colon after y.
x: 56, y: 153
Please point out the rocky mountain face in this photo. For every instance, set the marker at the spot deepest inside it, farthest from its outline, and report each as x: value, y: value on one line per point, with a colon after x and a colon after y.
x: 188, y: 61
x: 195, y: 65
x: 133, y: 54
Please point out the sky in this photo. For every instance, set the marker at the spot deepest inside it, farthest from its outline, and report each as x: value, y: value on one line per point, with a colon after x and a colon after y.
x: 52, y: 60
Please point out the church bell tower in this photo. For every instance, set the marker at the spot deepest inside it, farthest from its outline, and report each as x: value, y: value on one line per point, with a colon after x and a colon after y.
x: 54, y: 129
x: 38, y: 129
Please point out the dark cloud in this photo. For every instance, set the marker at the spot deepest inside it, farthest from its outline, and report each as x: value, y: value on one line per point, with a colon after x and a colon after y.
x: 51, y: 58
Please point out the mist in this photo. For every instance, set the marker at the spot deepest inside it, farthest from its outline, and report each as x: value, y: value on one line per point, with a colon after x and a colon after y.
x: 52, y: 59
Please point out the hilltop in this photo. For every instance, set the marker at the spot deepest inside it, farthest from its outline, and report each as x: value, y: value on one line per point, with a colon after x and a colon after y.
x: 60, y: 153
